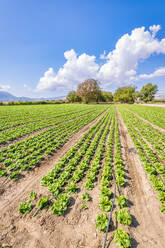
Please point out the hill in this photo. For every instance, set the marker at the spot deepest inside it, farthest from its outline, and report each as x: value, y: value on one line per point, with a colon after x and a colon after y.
x: 7, y: 97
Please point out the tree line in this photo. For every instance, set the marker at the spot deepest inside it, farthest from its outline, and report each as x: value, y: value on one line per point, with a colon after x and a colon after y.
x: 90, y: 91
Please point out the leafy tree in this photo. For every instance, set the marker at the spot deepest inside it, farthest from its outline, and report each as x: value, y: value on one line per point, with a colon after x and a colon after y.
x: 89, y: 90
x: 73, y: 97
x: 106, y: 96
x: 148, y: 91
x: 125, y: 94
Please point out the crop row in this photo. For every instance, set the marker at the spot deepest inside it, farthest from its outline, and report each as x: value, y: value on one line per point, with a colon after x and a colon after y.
x: 85, y: 162
x: 76, y: 166
x: 26, y: 154
x: 155, y: 115
x: 152, y: 135
x: 14, y: 133
x: 114, y: 169
x: 152, y: 167
x: 11, y: 121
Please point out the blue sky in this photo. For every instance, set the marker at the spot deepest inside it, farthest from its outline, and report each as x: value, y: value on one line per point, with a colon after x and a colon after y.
x: 35, y: 34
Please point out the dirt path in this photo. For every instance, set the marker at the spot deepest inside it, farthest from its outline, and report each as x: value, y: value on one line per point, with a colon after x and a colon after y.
x: 148, y: 122
x: 154, y: 105
x: 77, y: 228
x: 148, y: 222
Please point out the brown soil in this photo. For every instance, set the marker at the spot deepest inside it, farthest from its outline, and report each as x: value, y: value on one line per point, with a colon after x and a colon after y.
x: 44, y: 229
x: 148, y: 222
x: 77, y: 228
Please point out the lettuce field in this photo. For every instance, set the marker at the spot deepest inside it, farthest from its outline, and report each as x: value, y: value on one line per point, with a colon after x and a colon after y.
x: 82, y: 176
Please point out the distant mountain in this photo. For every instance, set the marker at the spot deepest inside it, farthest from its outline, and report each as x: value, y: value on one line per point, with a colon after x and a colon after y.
x: 160, y: 96
x: 7, y: 97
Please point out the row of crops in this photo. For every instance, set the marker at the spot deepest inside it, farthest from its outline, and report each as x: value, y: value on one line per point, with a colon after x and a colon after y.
x: 150, y: 144
x: 11, y: 116
x: 14, y: 133
x: 96, y: 157
x: 155, y: 115
x: 27, y: 154
x: 94, y: 162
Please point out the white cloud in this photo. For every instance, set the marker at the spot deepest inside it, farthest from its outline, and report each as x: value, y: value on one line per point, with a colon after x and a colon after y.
x: 27, y: 87
x: 103, y: 55
x: 75, y: 70
x: 120, y: 64
x: 154, y: 29
x: 131, y: 49
x: 5, y: 87
x: 157, y: 73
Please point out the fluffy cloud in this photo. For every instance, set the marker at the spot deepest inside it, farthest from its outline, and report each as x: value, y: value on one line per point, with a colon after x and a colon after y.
x: 75, y: 70
x: 157, y: 73
x: 5, y: 87
x: 120, y: 65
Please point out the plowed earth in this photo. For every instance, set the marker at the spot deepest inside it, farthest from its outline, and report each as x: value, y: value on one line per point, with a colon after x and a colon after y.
x: 77, y: 228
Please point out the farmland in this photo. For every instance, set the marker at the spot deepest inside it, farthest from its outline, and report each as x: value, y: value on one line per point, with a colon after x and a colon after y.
x: 68, y: 170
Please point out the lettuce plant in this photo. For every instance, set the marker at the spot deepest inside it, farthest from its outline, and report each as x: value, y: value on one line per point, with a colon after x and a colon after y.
x: 123, y: 217
x: 86, y: 197
x: 122, y: 201
x: 25, y: 207
x: 101, y: 222
x: 121, y: 238
x: 105, y: 204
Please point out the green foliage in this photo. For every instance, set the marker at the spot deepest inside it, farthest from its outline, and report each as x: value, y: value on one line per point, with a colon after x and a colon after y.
x: 162, y: 208
x: 105, y: 204
x: 14, y: 175
x: 125, y: 95
x: 101, y: 222
x: 161, y: 196
x: 89, y: 185
x: 33, y: 195
x: 106, y: 96
x: 122, y: 201
x: 25, y: 207
x: 123, y: 217
x: 120, y: 181
x: 86, y: 197
x: 60, y: 205
x: 71, y: 188
x: 148, y: 92
x: 73, y: 97
x: 105, y: 191
x: 84, y: 206
x: 121, y: 238
x: 89, y: 90
x: 2, y: 173
x: 43, y: 202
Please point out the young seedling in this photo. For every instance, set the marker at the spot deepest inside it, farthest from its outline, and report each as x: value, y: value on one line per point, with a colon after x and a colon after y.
x: 84, y: 206
x: 86, y: 197
x: 25, y: 207
x: 33, y: 195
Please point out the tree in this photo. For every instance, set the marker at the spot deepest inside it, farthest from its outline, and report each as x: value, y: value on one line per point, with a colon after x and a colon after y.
x: 73, y: 97
x: 106, y: 96
x: 148, y: 92
x: 89, y: 90
x: 125, y: 94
